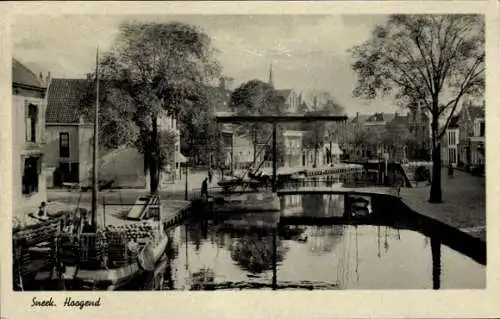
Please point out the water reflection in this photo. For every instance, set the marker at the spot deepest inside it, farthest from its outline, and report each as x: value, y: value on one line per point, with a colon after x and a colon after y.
x: 343, y: 257
x: 255, y: 251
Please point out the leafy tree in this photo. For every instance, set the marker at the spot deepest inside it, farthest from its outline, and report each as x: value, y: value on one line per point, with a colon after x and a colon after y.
x: 201, y: 136
x: 258, y: 98
x: 116, y: 111
x: 162, y: 68
x: 434, y: 60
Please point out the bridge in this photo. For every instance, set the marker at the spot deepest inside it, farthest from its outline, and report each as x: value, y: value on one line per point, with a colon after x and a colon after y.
x: 231, y: 117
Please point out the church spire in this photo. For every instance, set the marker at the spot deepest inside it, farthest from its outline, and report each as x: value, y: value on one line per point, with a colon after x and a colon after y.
x: 270, y: 80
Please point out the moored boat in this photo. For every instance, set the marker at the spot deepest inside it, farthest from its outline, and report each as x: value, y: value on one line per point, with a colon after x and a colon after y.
x: 112, y: 256
x: 33, y: 247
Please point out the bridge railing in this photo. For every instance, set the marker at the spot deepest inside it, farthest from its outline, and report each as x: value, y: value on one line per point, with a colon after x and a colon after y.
x: 363, y: 181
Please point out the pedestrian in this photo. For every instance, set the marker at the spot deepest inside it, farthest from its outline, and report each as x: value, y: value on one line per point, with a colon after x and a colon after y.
x: 42, y: 210
x: 204, y: 188
x: 450, y: 170
x: 210, y: 175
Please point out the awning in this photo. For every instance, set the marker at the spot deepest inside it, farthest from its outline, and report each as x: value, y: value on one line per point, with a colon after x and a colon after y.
x: 180, y: 158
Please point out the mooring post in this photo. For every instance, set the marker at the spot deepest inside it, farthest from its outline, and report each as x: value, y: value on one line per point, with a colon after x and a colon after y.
x: 275, y: 258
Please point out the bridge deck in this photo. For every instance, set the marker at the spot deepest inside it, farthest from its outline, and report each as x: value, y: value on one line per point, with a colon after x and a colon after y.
x: 330, y: 190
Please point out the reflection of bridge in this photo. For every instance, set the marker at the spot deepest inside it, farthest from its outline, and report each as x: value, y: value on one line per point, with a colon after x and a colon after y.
x: 317, y: 190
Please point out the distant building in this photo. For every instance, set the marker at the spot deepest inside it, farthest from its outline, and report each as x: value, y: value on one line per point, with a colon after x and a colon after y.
x: 293, y: 148
x: 28, y: 112
x: 472, y: 128
x: 292, y: 100
x: 449, y: 143
x: 365, y: 135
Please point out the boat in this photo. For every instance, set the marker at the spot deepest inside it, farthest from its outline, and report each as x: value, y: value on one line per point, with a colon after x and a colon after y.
x: 120, y: 254
x: 105, y: 257
x: 33, y: 245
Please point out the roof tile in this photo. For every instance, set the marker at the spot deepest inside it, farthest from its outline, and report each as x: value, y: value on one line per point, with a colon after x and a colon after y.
x: 63, y: 100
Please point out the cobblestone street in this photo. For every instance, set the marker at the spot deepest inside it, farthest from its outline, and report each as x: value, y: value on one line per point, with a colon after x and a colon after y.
x: 464, y: 202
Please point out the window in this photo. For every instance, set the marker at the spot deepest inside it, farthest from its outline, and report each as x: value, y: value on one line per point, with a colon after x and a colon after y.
x: 31, y: 122
x: 32, y: 168
x: 64, y: 144
x: 481, y: 128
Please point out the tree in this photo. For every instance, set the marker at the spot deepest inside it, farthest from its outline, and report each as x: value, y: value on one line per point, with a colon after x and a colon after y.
x: 431, y: 60
x: 163, y: 68
x: 258, y: 98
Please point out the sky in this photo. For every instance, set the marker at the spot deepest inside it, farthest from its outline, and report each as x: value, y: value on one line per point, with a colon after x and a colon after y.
x: 307, y: 52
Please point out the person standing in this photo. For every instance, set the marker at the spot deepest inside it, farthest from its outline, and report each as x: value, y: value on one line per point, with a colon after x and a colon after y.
x: 210, y: 175
x: 204, y: 188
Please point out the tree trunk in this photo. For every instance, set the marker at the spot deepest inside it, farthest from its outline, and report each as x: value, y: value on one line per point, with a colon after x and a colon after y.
x: 436, y: 195
x: 153, y: 159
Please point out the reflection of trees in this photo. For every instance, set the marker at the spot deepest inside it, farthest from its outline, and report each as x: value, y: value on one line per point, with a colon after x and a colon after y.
x: 253, y: 252
x: 324, y: 239
x: 202, y: 278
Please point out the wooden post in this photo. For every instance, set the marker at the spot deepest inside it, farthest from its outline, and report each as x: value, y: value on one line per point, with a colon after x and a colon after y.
x: 275, y: 159
x: 186, y: 183
x: 275, y: 259
x: 104, y: 211
x: 95, y: 174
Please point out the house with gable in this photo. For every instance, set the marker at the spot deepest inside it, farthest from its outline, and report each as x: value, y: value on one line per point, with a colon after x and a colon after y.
x: 28, y: 114
x: 472, y: 132
x: 69, y: 148
x: 365, y: 135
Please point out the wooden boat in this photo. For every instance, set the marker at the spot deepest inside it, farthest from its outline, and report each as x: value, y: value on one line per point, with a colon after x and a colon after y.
x: 33, y: 248
x: 111, y: 257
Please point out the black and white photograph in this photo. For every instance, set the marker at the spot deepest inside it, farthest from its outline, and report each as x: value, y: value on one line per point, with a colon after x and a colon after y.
x: 248, y: 152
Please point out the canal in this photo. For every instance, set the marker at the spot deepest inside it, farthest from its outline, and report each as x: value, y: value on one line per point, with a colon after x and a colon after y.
x: 215, y: 251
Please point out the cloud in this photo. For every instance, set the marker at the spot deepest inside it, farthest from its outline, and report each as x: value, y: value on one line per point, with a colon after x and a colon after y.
x: 307, y: 51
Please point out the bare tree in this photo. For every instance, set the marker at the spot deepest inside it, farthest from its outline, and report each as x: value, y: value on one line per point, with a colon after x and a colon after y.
x: 431, y: 60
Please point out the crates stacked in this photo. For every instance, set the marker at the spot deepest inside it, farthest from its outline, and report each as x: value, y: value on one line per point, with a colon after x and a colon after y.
x: 117, y: 247
x: 35, y: 235
x: 68, y: 249
x: 101, y: 245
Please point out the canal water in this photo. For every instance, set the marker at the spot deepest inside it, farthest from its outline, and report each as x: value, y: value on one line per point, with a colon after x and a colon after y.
x: 250, y: 251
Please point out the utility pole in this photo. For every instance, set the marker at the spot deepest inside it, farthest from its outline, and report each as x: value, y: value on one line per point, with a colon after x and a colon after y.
x: 95, y: 174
